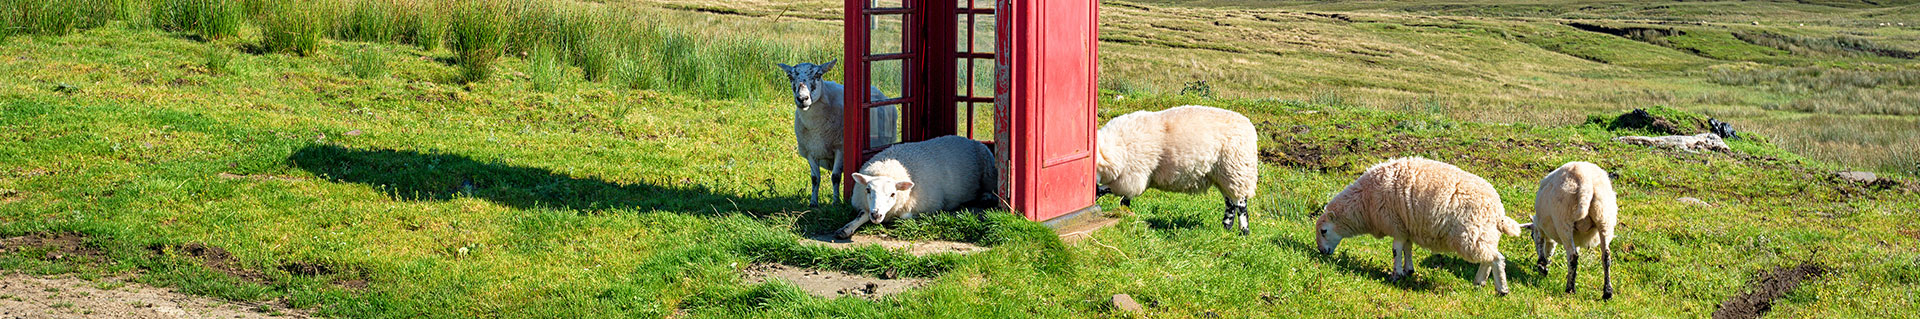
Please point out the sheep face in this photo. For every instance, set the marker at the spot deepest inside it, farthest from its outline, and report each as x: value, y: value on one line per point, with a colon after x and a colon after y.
x: 1326, y: 235
x: 879, y: 196
x: 806, y: 81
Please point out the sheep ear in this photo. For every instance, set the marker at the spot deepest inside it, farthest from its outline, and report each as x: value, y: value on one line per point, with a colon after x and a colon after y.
x: 861, y: 178
x: 903, y: 186
x: 828, y: 65
x: 1528, y: 226
x: 784, y: 66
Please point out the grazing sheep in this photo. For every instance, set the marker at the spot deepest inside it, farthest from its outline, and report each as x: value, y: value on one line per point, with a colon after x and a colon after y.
x: 927, y: 176
x: 1435, y: 205
x: 1183, y: 149
x: 1575, y: 208
x: 817, y: 122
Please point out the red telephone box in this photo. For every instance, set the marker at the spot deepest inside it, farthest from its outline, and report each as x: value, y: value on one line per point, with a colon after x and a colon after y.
x: 937, y: 61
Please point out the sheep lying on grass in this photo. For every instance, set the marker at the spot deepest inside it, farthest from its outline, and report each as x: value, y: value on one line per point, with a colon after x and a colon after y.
x: 817, y: 122
x: 920, y: 177
x: 1432, y: 204
x: 1575, y: 208
x: 1182, y: 149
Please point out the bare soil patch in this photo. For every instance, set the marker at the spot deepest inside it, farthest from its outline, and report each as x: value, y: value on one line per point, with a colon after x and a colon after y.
x: 259, y: 177
x: 9, y: 196
x: 1764, y: 290
x: 213, y: 257
x: 54, y: 247
x: 829, y: 283
x: 916, y: 248
x: 24, y: 296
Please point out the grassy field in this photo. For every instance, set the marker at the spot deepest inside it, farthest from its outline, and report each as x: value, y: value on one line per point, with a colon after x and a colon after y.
x: 386, y: 176
x: 1546, y: 62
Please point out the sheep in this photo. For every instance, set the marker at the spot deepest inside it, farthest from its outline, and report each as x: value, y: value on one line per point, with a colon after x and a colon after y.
x: 817, y: 121
x: 1182, y: 149
x: 912, y: 178
x: 1575, y: 208
x: 1429, y: 203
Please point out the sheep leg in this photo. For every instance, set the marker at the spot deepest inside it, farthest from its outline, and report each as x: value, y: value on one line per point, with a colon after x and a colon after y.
x: 1239, y: 209
x: 1573, y: 265
x: 814, y: 169
x: 847, y: 231
x: 1544, y: 248
x: 836, y: 178
x: 1606, y: 268
x: 1226, y: 221
x: 1401, y: 261
x: 1500, y: 278
x: 1480, y: 277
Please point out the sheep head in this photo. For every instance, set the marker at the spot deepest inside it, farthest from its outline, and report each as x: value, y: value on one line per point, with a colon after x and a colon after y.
x: 877, y: 196
x: 806, y: 81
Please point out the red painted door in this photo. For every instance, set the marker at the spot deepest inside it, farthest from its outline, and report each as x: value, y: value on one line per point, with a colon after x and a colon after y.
x: 1045, y: 94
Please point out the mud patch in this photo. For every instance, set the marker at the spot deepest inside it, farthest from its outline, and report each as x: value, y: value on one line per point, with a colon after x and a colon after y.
x: 916, y: 248
x: 260, y: 177
x: 68, y: 297
x: 830, y: 284
x: 1764, y: 290
x: 213, y: 257
x: 54, y: 247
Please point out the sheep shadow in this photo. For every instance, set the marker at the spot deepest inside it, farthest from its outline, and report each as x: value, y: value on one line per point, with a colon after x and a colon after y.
x: 1518, y: 272
x: 416, y: 176
x: 1353, y: 266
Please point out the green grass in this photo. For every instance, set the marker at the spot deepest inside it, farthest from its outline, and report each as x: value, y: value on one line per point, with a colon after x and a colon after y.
x: 211, y: 19
x: 292, y: 27
x: 478, y: 38
x: 534, y: 195
x: 52, y: 17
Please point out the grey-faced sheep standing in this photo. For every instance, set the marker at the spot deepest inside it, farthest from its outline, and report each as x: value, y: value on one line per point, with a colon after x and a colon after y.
x: 1424, y: 202
x: 1575, y: 208
x: 920, y: 177
x: 1183, y: 149
x: 817, y: 122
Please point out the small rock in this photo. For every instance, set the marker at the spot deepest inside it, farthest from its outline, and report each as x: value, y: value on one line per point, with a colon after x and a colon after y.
x: 1857, y: 177
x: 355, y: 133
x: 1125, y: 303
x: 890, y: 273
x: 1694, y: 202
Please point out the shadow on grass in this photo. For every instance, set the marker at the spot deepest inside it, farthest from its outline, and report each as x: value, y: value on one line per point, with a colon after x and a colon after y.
x: 415, y: 176
x: 1356, y: 267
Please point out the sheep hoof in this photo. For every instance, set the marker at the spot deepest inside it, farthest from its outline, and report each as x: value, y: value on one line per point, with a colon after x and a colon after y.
x: 1501, y: 293
x: 1606, y: 293
x: 1244, y: 232
x: 1126, y: 202
x: 1395, y: 277
x: 843, y: 234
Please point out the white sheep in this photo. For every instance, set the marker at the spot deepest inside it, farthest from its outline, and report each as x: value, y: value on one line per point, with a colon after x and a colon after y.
x: 1575, y: 208
x: 1429, y: 203
x: 912, y: 178
x: 1183, y: 149
x: 817, y: 121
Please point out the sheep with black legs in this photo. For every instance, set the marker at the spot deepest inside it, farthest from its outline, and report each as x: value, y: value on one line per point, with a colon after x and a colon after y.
x: 817, y: 122
x: 1183, y: 149
x: 909, y: 179
x: 1427, y: 203
x: 1575, y: 208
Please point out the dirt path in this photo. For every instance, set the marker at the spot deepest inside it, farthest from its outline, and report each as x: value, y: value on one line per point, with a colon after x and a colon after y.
x: 33, y: 297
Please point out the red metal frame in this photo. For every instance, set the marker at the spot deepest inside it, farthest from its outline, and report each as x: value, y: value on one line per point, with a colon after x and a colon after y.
x: 1046, y: 66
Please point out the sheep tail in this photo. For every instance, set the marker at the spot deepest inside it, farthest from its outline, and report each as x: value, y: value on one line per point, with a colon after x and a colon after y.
x: 1509, y: 227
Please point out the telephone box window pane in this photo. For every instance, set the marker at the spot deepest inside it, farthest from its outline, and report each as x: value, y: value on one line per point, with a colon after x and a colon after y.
x: 983, y: 29
x: 887, y: 75
x: 884, y: 34
x: 983, y: 77
x: 886, y: 4
x: 883, y: 125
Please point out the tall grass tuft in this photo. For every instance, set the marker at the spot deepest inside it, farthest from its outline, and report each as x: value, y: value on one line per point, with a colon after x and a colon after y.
x: 367, y: 63
x: 211, y: 19
x: 291, y: 27
x: 545, y: 69
x: 58, y: 17
x: 372, y: 21
x: 479, y: 35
